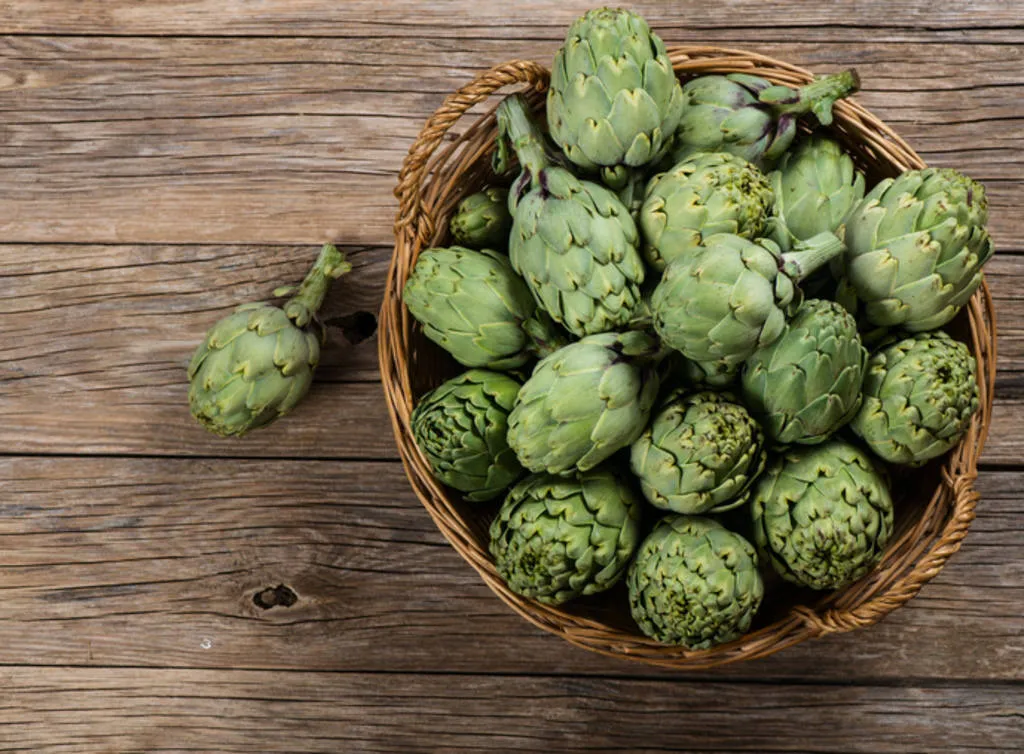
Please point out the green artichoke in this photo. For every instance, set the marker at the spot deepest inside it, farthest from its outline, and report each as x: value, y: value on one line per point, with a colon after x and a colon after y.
x: 461, y: 428
x: 557, y: 538
x: 733, y: 296
x: 816, y: 186
x: 573, y: 241
x: 256, y: 364
x: 700, y: 453
x: 614, y: 100
x: 916, y: 247
x: 482, y: 220
x: 919, y: 396
x: 694, y: 583
x: 749, y: 116
x: 806, y: 385
x: 717, y: 374
x: 584, y: 402
x: 703, y: 195
x: 472, y: 304
x: 822, y: 515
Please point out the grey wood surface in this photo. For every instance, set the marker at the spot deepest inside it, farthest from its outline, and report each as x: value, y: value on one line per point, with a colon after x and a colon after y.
x: 164, y: 590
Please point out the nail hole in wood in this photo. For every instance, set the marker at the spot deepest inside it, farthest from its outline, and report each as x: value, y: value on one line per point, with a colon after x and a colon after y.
x: 275, y: 596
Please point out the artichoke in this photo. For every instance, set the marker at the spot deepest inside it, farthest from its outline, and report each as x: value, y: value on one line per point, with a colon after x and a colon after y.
x: 700, y: 453
x: 822, y: 515
x: 749, y: 116
x: 584, y: 402
x: 919, y: 396
x: 717, y: 374
x: 614, y: 100
x: 256, y: 364
x: 573, y: 241
x: 557, y: 538
x: 703, y: 195
x: 806, y: 385
x: 916, y: 246
x: 472, y: 304
x: 482, y: 220
x: 816, y: 186
x: 733, y: 296
x: 694, y: 583
x: 461, y: 428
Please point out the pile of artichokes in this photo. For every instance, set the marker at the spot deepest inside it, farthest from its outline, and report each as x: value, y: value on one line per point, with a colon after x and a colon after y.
x: 663, y: 304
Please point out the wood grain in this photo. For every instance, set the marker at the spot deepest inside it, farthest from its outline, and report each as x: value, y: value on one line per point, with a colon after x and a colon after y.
x: 156, y: 562
x: 132, y: 710
x: 287, y: 141
x: 918, y: 19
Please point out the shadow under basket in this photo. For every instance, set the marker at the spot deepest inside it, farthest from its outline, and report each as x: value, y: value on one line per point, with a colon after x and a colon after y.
x: 934, y: 505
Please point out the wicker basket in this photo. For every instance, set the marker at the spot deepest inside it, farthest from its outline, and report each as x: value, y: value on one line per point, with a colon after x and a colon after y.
x: 441, y: 168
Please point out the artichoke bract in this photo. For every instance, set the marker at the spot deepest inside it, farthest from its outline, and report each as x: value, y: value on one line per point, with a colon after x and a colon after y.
x: 816, y: 186
x: 584, y: 402
x: 822, y: 515
x: 472, y: 304
x: 700, y: 453
x: 614, y: 100
x: 256, y: 364
x: 557, y: 538
x: 482, y: 220
x: 703, y: 195
x: 461, y: 427
x: 733, y: 296
x: 806, y: 385
x: 573, y: 241
x: 919, y: 396
x: 916, y: 245
x: 749, y: 116
x: 694, y: 583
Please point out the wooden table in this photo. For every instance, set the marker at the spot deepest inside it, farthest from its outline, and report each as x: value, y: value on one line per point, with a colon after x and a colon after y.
x: 165, y: 590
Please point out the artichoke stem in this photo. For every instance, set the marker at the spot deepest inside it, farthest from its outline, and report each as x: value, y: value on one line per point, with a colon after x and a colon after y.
x: 817, y: 97
x: 330, y: 265
x: 517, y: 127
x: 809, y: 255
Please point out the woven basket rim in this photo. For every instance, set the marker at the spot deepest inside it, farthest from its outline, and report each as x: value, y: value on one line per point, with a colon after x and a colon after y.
x: 911, y: 559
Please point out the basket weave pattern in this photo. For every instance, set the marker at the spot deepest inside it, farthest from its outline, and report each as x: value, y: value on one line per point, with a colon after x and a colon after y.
x: 440, y: 170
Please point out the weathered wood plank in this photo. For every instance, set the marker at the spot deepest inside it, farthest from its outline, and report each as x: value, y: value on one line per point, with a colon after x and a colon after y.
x: 73, y: 710
x: 239, y: 140
x: 528, y: 19
x: 94, y: 341
x: 156, y: 562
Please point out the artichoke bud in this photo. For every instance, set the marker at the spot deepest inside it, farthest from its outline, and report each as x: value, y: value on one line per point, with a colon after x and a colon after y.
x: 573, y: 241
x: 749, y: 116
x: 920, y: 393
x: 699, y: 454
x: 733, y: 296
x: 558, y: 538
x: 472, y: 304
x: 806, y: 385
x: 822, y: 514
x: 256, y: 364
x: 614, y: 100
x: 461, y: 429
x: 482, y: 220
x: 917, y: 244
x: 694, y: 583
x: 701, y: 196
x: 585, y: 401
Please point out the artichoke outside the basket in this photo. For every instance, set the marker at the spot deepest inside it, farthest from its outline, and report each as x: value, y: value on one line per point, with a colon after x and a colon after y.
x: 256, y: 364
